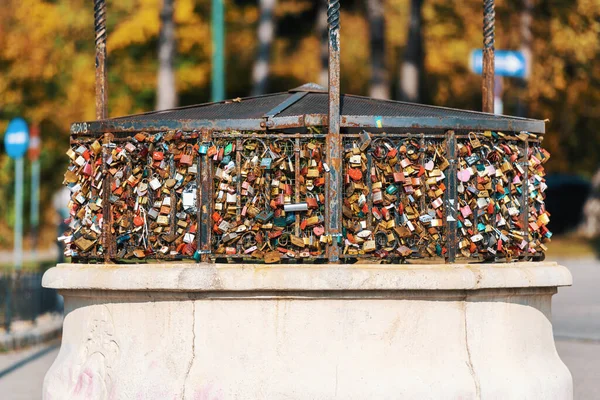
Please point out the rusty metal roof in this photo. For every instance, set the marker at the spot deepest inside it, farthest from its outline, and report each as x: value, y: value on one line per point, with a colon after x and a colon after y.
x: 307, y: 106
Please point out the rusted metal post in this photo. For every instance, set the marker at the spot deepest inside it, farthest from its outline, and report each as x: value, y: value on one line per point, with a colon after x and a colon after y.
x: 100, y: 34
x: 199, y: 190
x: 489, y: 20
x: 334, y: 142
x: 524, y: 217
x: 296, y: 180
x: 206, y: 185
x: 101, y: 113
x: 451, y: 198
x: 108, y: 244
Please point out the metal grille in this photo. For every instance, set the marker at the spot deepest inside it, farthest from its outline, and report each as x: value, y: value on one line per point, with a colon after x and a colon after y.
x: 252, y: 181
x: 393, y: 208
x: 316, y: 103
x: 312, y: 103
x: 253, y: 107
x: 401, y: 199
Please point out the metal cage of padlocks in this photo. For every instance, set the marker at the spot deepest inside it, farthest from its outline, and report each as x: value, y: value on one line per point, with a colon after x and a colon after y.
x: 262, y: 196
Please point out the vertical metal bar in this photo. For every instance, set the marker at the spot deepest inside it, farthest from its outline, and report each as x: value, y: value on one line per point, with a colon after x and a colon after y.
x: 107, y: 239
x: 199, y: 190
x: 204, y: 223
x: 173, y: 224
x: 495, y: 213
x: 296, y: 180
x: 524, y: 162
x: 422, y: 203
x: 370, y: 187
x: 101, y: 113
x: 218, y: 50
x: 451, y: 198
x: 238, y: 167
x: 334, y: 147
x: 489, y: 20
x: 100, y: 35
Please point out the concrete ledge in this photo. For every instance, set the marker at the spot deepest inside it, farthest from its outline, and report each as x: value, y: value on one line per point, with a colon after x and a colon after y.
x: 48, y: 327
x: 180, y: 277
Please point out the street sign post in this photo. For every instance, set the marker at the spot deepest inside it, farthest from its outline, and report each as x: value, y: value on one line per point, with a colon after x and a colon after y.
x: 507, y: 63
x: 16, y: 141
x: 218, y: 49
x: 34, y: 156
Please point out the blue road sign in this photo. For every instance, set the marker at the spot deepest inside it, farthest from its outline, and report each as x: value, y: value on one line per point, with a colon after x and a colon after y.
x: 16, y: 138
x: 507, y: 63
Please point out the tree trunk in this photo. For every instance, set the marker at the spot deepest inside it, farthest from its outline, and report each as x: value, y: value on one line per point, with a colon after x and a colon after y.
x: 526, y: 43
x: 166, y: 96
x: 379, y: 83
x: 266, y: 31
x: 322, y: 33
x: 590, y: 226
x: 411, y: 72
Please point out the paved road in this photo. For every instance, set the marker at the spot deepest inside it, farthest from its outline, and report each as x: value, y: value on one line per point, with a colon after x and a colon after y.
x: 576, y: 309
x: 576, y: 319
x: 583, y: 360
x: 22, y: 372
x: 576, y: 323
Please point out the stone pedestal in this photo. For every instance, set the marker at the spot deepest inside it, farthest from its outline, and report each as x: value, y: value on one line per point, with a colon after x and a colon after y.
x: 205, y: 331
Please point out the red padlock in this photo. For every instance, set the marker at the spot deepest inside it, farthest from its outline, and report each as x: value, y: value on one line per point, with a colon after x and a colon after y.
x: 138, y: 220
x: 355, y: 174
x: 87, y: 169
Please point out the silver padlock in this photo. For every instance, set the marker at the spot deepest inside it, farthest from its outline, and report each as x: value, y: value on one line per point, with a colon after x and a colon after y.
x: 153, y: 213
x: 295, y: 207
x: 189, y: 199
x: 189, y: 238
x: 155, y: 183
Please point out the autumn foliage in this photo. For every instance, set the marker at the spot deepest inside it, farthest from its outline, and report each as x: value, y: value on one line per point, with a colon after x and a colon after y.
x: 47, y: 64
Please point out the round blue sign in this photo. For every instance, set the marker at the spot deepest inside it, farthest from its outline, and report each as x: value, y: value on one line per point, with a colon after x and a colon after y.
x: 16, y: 138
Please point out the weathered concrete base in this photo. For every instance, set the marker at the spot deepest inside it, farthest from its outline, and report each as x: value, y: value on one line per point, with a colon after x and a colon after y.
x: 308, y: 332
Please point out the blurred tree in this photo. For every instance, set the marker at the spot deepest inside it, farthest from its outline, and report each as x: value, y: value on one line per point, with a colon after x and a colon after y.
x: 379, y: 85
x: 46, y: 50
x: 411, y: 73
x: 266, y: 31
x: 565, y: 82
x: 323, y: 35
x: 166, y: 96
x: 590, y: 226
x: 526, y: 40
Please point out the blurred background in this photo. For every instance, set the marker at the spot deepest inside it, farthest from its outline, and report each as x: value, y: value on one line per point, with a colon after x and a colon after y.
x: 161, y: 52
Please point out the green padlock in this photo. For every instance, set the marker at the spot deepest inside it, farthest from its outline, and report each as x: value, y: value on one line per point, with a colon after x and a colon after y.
x: 391, y: 189
x: 228, y: 149
x: 197, y: 256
